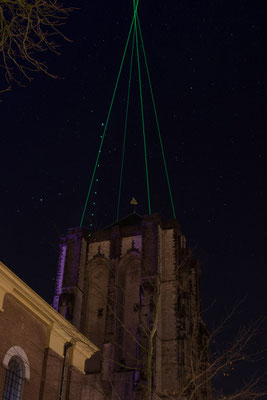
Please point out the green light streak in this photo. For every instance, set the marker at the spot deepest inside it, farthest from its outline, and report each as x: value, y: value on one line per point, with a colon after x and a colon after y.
x: 125, y: 128
x: 143, y: 122
x: 108, y: 116
x: 157, y: 121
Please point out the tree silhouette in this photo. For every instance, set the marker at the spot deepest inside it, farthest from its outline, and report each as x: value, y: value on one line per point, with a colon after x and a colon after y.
x: 28, y: 28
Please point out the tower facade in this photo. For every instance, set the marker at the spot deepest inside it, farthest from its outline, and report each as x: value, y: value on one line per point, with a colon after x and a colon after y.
x: 133, y: 290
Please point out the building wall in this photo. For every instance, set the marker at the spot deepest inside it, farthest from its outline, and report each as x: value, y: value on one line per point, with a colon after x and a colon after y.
x: 51, y: 375
x: 18, y: 327
x: 33, y: 331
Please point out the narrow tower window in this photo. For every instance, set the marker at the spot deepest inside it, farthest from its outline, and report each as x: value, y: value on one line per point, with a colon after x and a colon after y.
x: 181, y: 351
x: 100, y: 312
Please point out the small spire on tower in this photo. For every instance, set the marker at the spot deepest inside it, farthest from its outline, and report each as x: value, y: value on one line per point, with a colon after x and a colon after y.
x: 133, y: 202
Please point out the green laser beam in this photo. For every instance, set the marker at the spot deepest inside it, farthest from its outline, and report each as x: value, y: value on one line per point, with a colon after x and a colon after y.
x: 109, y: 111
x: 125, y: 128
x: 156, y: 117
x: 143, y: 121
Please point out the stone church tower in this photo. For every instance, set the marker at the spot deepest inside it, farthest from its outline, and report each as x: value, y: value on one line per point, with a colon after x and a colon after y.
x: 133, y: 290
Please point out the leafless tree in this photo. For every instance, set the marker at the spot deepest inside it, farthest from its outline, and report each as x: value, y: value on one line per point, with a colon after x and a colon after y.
x: 223, y: 363
x: 28, y: 28
x: 201, y: 370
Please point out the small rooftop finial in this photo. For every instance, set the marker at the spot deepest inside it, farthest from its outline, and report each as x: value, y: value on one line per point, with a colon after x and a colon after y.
x: 133, y: 202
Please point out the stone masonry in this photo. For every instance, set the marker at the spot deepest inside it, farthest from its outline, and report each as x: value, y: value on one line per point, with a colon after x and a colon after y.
x: 116, y: 286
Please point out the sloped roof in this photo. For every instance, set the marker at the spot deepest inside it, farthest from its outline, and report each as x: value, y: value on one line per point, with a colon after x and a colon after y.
x: 129, y: 220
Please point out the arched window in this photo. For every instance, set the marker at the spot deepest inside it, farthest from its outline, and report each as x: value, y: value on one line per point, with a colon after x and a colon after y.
x: 14, y: 379
x: 17, y: 370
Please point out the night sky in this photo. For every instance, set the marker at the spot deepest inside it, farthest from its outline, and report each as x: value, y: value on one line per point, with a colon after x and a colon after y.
x: 207, y: 62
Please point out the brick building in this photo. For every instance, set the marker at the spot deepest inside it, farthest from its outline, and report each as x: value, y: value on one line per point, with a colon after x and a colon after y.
x: 35, y: 343
x: 133, y: 290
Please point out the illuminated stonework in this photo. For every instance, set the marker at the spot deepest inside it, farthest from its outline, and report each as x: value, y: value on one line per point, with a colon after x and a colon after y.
x: 34, y: 333
x: 118, y: 284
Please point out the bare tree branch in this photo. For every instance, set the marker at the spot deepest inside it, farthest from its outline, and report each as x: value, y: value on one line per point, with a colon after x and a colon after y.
x: 29, y: 28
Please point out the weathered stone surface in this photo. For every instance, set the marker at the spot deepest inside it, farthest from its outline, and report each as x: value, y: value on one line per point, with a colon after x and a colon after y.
x: 117, y: 283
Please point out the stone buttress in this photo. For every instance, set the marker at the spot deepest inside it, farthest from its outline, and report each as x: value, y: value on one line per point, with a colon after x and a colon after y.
x: 115, y: 286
